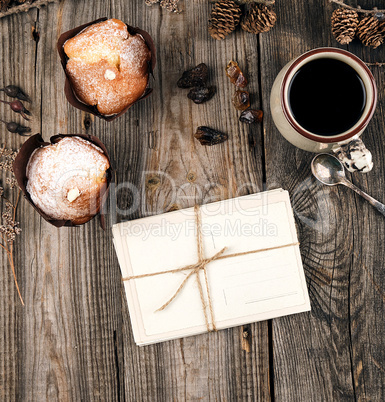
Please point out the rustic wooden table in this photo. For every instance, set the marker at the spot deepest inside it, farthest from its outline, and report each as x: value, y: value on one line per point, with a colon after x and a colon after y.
x: 72, y: 340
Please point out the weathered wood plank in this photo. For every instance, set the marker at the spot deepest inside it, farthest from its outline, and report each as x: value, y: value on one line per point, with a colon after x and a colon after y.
x: 67, y: 332
x: 17, y: 47
x: 328, y: 353
x: 367, y: 292
x: 177, y: 173
x: 73, y: 339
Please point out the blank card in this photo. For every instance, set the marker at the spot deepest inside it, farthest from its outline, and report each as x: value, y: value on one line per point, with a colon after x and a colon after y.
x: 264, y: 280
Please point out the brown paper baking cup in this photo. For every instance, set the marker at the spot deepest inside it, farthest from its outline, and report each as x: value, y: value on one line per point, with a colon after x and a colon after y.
x: 20, y: 171
x: 70, y: 92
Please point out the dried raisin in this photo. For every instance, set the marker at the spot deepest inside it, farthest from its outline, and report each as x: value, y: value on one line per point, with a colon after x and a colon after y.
x: 195, y: 77
x: 250, y: 116
x: 235, y: 74
x: 208, y: 136
x: 201, y: 94
x: 241, y: 100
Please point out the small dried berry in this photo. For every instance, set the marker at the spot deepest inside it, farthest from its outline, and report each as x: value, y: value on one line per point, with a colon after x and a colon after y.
x: 201, y: 94
x: 195, y: 77
x: 16, y: 128
x: 235, y: 74
x: 15, y: 92
x: 250, y: 116
x: 18, y: 107
x: 241, y: 100
x: 208, y: 136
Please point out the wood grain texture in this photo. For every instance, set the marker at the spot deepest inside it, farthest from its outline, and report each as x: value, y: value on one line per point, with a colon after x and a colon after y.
x: 328, y: 354
x: 73, y: 339
x: 14, y: 52
x: 176, y: 172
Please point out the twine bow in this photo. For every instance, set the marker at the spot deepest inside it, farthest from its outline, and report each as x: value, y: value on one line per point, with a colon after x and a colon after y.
x: 202, y: 265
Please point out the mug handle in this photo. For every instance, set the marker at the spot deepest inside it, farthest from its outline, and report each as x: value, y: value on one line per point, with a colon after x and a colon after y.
x: 354, y: 155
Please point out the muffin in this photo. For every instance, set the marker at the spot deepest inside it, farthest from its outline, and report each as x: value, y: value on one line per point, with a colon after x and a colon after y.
x: 66, y: 180
x: 108, y: 67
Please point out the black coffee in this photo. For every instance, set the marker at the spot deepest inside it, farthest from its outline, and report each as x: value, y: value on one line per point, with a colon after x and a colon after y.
x: 326, y: 96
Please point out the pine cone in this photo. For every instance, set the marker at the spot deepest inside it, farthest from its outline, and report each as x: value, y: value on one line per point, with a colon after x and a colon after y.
x: 224, y: 18
x: 344, y: 25
x: 370, y: 31
x: 259, y: 18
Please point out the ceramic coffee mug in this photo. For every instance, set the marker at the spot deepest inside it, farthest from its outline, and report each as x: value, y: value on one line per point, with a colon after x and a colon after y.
x: 282, y: 104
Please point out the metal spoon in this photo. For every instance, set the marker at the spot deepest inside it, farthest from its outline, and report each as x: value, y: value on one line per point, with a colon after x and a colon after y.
x: 329, y: 170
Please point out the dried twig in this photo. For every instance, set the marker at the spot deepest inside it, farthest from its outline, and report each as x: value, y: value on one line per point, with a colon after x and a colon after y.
x: 358, y: 9
x: 169, y: 5
x: 265, y: 2
x: 376, y: 64
x: 10, y: 252
x: 22, y: 8
x: 9, y: 228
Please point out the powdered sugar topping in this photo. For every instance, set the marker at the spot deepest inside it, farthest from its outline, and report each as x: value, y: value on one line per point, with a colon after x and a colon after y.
x: 56, y: 171
x: 109, y: 75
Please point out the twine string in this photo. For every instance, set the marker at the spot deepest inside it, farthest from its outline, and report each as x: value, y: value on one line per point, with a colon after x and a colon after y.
x: 202, y: 265
x: 198, y: 222
x: 195, y: 268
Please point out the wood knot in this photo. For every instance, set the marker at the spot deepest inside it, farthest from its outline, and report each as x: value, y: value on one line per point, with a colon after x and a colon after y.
x: 191, y: 177
x: 152, y: 182
x: 252, y: 140
x: 87, y: 121
x: 246, y: 338
x: 35, y: 34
